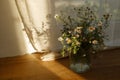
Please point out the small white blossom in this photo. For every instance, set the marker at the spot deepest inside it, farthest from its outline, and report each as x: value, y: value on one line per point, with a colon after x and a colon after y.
x: 77, y: 35
x: 77, y: 43
x: 90, y: 42
x: 56, y: 16
x: 95, y: 42
x: 60, y: 39
x: 69, y: 31
x: 78, y: 29
x: 84, y: 55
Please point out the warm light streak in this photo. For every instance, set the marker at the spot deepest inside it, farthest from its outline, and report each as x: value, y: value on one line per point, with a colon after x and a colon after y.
x: 61, y: 71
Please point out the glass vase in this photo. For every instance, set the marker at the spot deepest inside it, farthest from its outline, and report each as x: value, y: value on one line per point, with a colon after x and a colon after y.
x: 79, y: 63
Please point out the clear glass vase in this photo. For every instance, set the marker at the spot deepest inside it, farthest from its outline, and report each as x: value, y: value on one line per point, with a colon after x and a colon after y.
x: 79, y: 63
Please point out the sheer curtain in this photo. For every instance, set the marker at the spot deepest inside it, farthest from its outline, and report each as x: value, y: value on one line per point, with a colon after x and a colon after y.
x: 37, y: 20
x: 28, y: 26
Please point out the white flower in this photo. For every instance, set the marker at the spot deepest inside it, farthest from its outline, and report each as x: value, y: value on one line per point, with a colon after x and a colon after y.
x: 94, y: 42
x: 78, y: 29
x: 69, y: 31
x: 56, y: 16
x: 77, y: 36
x: 84, y: 55
x: 90, y: 42
x: 77, y: 43
x: 60, y: 39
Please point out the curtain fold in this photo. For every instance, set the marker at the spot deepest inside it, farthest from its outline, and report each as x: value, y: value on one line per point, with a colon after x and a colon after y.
x: 26, y: 20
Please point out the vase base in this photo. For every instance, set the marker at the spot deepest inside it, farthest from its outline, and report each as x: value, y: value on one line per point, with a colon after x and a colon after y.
x: 80, y: 67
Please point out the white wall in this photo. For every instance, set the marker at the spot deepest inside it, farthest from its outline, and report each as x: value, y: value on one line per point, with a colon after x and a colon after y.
x: 11, y: 38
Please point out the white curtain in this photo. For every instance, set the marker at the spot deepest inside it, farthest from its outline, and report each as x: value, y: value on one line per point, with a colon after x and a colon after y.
x: 37, y: 19
x: 28, y: 26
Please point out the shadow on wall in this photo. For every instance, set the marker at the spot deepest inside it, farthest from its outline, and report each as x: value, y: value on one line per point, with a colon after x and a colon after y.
x: 11, y: 40
x: 54, y: 31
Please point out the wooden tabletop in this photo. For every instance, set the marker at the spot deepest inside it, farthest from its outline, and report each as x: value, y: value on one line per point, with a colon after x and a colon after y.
x: 30, y: 67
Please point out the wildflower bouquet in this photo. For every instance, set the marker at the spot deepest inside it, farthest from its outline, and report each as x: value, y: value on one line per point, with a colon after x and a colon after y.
x: 83, y: 31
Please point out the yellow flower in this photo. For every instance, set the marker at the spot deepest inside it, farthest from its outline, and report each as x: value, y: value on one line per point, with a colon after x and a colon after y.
x: 68, y: 40
x: 91, y: 29
x: 94, y: 42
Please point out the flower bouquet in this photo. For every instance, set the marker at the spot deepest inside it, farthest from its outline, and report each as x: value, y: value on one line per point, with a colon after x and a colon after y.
x: 83, y: 34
